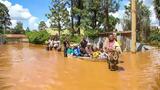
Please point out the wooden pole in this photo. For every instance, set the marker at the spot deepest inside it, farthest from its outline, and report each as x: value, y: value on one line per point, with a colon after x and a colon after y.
x: 133, y: 10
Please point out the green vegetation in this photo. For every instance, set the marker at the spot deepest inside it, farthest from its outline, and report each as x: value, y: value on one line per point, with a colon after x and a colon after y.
x: 59, y: 15
x: 157, y: 9
x: 42, y: 25
x: 72, y: 39
x: 154, y: 38
x: 143, y: 20
x: 5, y: 20
x: 18, y: 29
x: 38, y: 37
x: 28, y: 30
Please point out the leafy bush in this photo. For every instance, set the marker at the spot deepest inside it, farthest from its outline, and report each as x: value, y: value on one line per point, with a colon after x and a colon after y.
x: 92, y: 34
x: 72, y: 39
x: 155, y: 37
x: 38, y: 37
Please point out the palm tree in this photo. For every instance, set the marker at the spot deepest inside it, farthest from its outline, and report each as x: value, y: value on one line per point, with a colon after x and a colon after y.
x: 157, y: 8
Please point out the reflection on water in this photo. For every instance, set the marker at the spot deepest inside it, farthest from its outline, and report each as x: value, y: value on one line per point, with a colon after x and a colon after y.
x: 31, y: 67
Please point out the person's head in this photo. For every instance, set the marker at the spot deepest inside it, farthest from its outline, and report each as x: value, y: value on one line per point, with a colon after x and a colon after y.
x: 88, y: 44
x: 75, y: 46
x: 115, y: 36
x: 84, y: 39
x: 71, y: 46
x: 111, y: 37
x: 101, y: 50
x: 95, y: 49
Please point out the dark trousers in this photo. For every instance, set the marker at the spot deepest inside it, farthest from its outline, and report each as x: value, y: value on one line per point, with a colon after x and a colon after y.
x: 65, y: 51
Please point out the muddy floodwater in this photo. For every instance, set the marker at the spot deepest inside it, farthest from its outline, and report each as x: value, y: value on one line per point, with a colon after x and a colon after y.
x: 31, y: 67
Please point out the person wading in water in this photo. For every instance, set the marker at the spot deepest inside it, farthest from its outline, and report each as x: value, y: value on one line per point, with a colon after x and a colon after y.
x: 66, y: 46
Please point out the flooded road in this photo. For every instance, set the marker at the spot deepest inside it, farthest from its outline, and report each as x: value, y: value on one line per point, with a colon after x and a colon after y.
x: 31, y: 67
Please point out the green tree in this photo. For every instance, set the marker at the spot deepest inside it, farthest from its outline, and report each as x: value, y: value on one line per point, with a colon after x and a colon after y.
x: 143, y: 20
x: 4, y: 17
x: 93, y: 18
x: 91, y: 13
x: 18, y: 29
x: 108, y: 6
x: 157, y: 8
x: 77, y: 11
x: 59, y: 15
x: 72, y: 17
x: 28, y: 29
x: 42, y: 25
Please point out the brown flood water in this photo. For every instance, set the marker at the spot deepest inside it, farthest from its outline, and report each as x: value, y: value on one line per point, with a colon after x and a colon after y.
x: 31, y: 67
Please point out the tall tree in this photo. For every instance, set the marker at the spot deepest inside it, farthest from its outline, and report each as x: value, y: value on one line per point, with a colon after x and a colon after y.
x: 42, y: 25
x: 59, y: 15
x: 78, y: 7
x: 157, y: 8
x: 109, y: 6
x: 4, y: 17
x: 93, y: 18
x: 18, y: 29
x: 28, y: 30
x: 72, y: 16
x: 142, y: 22
x: 91, y: 13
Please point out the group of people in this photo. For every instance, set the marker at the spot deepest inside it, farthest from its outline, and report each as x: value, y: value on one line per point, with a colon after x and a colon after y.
x: 54, y: 42
x: 86, y: 49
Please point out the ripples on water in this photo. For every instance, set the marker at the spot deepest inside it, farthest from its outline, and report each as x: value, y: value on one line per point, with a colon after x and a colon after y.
x: 30, y: 67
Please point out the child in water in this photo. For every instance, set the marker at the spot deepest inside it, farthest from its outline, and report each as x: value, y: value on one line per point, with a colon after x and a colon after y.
x: 70, y: 51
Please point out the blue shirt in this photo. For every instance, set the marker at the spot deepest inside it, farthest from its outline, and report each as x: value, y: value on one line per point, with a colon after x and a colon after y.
x: 76, y: 52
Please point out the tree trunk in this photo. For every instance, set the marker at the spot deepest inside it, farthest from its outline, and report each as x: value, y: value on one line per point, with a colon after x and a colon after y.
x: 106, y: 27
x: 72, y: 22
x: 79, y: 22
x: 79, y: 17
x: 94, y: 19
x: 59, y: 28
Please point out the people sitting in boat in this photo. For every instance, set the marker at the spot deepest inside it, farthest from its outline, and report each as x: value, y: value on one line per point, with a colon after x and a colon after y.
x: 83, y: 45
x: 76, y: 51
x: 103, y: 55
x: 70, y: 51
x: 95, y: 53
x: 88, y: 50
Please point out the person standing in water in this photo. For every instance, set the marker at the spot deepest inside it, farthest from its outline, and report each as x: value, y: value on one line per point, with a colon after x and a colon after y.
x: 66, y: 46
x: 113, y: 44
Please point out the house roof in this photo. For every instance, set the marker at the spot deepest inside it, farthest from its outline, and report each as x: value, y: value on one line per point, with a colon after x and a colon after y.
x: 15, y: 36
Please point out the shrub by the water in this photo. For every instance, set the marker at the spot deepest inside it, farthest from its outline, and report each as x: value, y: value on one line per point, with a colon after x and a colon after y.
x: 72, y: 39
x: 38, y: 37
x: 92, y: 34
x: 155, y: 38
